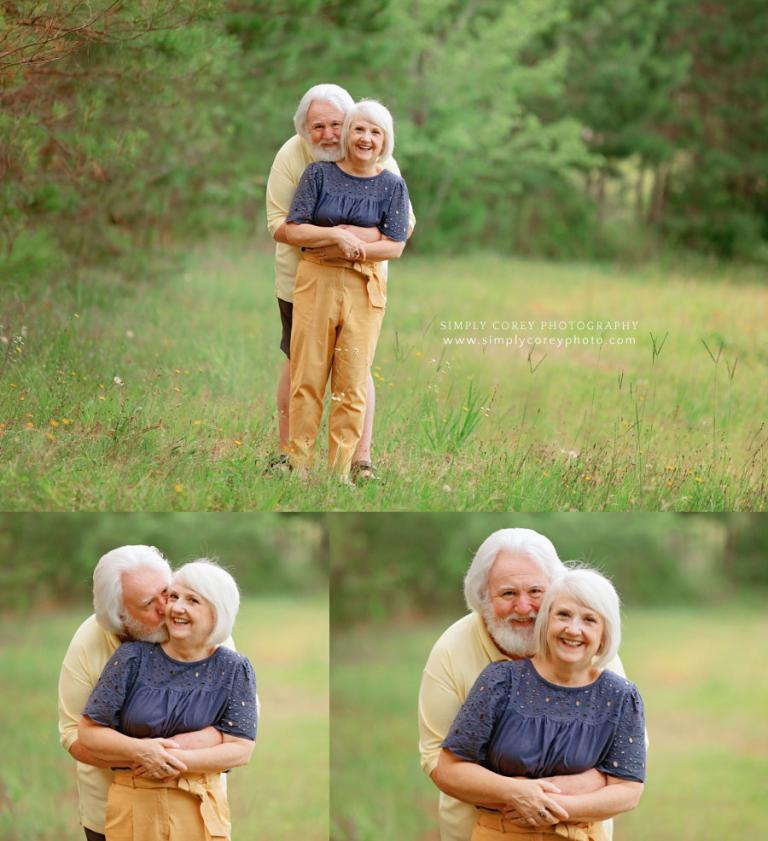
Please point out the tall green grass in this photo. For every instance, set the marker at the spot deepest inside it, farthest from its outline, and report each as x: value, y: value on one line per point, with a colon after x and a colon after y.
x: 159, y: 394
x: 705, y: 698
x: 283, y: 792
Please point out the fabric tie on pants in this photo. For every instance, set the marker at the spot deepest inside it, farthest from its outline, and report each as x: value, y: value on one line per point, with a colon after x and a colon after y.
x: 192, y: 808
x: 369, y: 270
x: 491, y: 825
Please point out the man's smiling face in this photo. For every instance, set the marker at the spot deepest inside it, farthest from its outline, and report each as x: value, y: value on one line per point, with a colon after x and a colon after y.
x: 324, y: 123
x: 145, y: 592
x: 516, y: 586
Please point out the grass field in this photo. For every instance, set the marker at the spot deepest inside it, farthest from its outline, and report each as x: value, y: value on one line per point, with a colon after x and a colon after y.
x: 158, y: 395
x: 281, y: 795
x: 705, y: 699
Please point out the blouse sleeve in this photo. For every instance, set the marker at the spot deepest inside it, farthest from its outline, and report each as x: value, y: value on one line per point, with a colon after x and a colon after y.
x: 394, y: 222
x: 625, y: 758
x: 117, y: 678
x: 306, y: 196
x: 240, y: 715
x: 470, y: 733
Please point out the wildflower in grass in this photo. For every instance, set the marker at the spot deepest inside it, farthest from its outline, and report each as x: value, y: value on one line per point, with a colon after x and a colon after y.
x: 13, y: 385
x: 237, y: 442
x: 66, y: 421
x: 179, y: 488
x: 196, y: 422
x: 546, y: 473
x: 77, y: 315
x: 698, y: 479
x: 418, y: 353
x: 53, y: 422
x: 29, y: 425
x: 447, y: 489
x: 587, y: 478
x: 50, y: 436
x: 117, y: 380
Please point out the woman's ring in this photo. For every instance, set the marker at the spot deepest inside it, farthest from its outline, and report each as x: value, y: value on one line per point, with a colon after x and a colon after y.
x: 542, y: 813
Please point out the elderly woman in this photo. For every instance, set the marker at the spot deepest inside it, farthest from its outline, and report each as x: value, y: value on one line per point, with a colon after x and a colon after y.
x: 339, y: 304
x: 157, y: 690
x: 559, y: 713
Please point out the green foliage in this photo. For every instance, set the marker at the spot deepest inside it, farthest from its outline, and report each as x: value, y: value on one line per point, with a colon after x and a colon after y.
x: 53, y: 557
x: 414, y: 564
x: 546, y: 127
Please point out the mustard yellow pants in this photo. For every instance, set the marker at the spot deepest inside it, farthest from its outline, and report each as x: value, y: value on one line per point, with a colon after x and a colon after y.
x: 492, y: 827
x: 192, y: 808
x: 335, y: 331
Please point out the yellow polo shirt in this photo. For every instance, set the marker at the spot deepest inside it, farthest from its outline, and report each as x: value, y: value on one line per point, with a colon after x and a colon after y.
x: 294, y: 157
x: 454, y: 664
x: 88, y: 653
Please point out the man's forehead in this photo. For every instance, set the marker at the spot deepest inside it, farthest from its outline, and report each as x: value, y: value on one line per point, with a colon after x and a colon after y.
x: 511, y: 568
x: 321, y: 110
x: 144, y: 582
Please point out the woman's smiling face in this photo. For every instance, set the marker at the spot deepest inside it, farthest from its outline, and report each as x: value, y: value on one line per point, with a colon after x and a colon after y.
x: 574, y: 632
x: 189, y: 616
x: 365, y: 141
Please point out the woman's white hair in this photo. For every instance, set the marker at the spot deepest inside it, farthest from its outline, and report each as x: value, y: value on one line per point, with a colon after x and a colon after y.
x: 322, y: 93
x: 595, y: 592
x: 525, y: 542
x: 376, y: 113
x: 216, y: 586
x: 108, y: 581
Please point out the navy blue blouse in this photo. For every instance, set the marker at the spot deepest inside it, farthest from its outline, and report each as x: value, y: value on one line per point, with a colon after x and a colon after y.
x: 516, y: 723
x: 328, y: 196
x: 143, y: 692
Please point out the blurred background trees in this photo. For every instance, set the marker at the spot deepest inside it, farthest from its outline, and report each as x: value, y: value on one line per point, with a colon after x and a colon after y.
x: 49, y: 558
x: 565, y: 128
x: 412, y: 565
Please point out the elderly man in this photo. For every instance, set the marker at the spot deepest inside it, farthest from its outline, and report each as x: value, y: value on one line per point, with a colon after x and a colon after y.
x: 504, y: 586
x: 130, y: 587
x: 318, y: 122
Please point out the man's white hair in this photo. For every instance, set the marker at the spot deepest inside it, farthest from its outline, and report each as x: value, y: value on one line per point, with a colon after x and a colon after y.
x: 524, y: 542
x: 108, y: 584
x: 216, y: 586
x: 321, y: 93
x: 379, y: 115
x: 595, y: 592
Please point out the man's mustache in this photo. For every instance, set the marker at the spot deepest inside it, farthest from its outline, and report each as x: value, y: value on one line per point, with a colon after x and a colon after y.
x: 520, y: 617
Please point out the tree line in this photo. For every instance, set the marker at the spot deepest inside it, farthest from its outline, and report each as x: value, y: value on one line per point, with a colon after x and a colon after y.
x: 565, y: 128
x: 393, y: 565
x: 49, y: 558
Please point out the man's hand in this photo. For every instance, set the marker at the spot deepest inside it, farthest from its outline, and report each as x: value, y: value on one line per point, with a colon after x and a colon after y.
x: 152, y: 759
x: 532, y: 806
x: 352, y: 247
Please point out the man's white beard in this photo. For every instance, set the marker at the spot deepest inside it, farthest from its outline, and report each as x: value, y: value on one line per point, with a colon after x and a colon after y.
x: 140, y: 633
x: 513, y: 640
x: 320, y: 153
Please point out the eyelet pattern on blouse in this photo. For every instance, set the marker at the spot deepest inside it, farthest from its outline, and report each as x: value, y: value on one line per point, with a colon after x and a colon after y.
x: 514, y: 721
